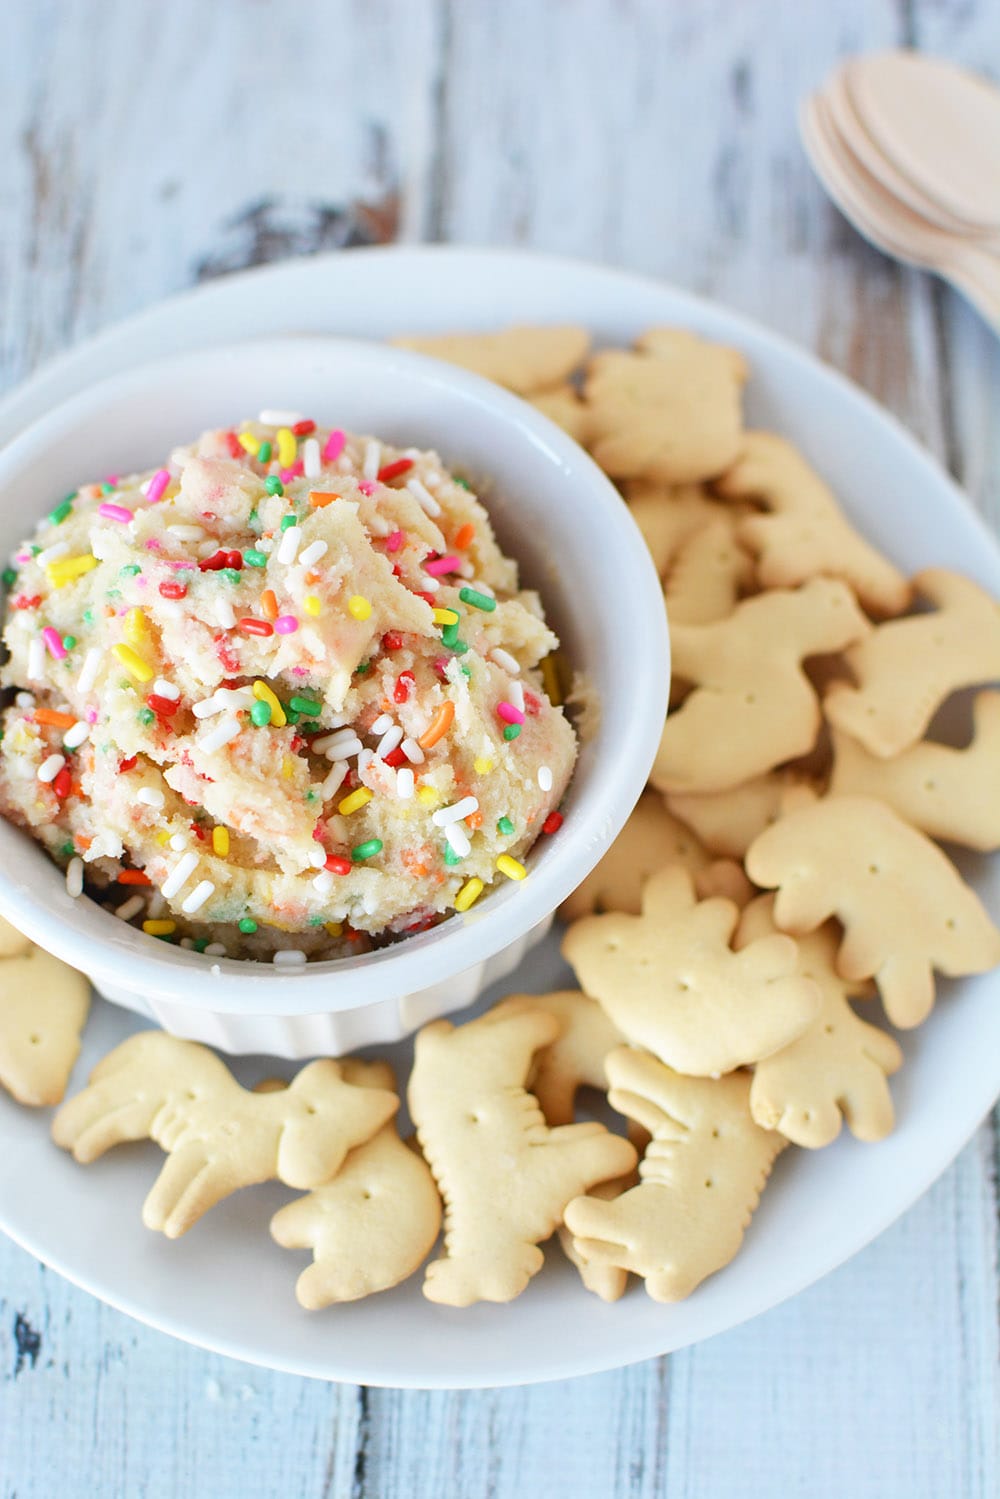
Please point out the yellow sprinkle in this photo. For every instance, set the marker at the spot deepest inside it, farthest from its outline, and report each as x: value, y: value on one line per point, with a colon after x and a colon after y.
x: 220, y: 842
x: 67, y: 568
x: 159, y: 928
x: 444, y: 616
x: 287, y: 447
x: 359, y: 607
x: 511, y: 868
x: 354, y: 800
x: 469, y: 894
x: 429, y: 796
x: 550, y: 676
x: 249, y: 443
x: 263, y: 694
x: 287, y: 767
x: 133, y: 663
x: 311, y: 604
x: 135, y: 627
x: 164, y: 837
x: 333, y: 928
x: 482, y: 766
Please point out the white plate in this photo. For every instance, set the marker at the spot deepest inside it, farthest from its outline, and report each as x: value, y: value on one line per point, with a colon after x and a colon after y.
x: 226, y: 1286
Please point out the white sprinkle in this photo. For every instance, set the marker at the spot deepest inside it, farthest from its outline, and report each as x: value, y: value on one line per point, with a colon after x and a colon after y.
x: 447, y: 815
x: 50, y: 768
x: 317, y: 857
x: 390, y: 740
x: 74, y: 877
x: 215, y: 950
x: 365, y: 758
x: 199, y: 895
x: 36, y: 659
x: 207, y: 707
x: 88, y: 672
x: 312, y: 466
x: 186, y: 533
x: 383, y: 722
x: 151, y: 796
x: 424, y: 498
x: 224, y: 613
x: 58, y: 549
x: 458, y: 838
x: 166, y: 689
x: 289, y: 547
x: 223, y: 734
x: 131, y: 908
x: 404, y: 783
x: 312, y: 553
x: 345, y: 749
x: 323, y: 882
x: 334, y: 780
x: 506, y: 660
x: 545, y: 778
x: 324, y: 743
x: 411, y: 749
x: 178, y: 843
x: 272, y: 417
x: 77, y: 735
x: 179, y: 875
x: 372, y: 461
x: 25, y: 699
x: 290, y: 957
x: 515, y: 694
x: 378, y: 525
x: 187, y: 943
x: 235, y: 697
x: 431, y: 584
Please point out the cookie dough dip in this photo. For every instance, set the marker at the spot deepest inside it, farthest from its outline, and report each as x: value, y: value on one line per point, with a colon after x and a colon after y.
x: 281, y: 696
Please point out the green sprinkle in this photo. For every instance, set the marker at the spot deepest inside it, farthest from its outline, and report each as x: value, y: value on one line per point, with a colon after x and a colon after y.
x: 317, y: 920
x: 60, y: 513
x: 462, y: 484
x: 253, y: 558
x: 466, y: 671
x: 477, y: 600
x: 35, y: 551
x: 247, y: 924
x: 200, y: 943
x: 88, y: 616
x: 113, y: 593
x: 253, y: 521
x: 287, y: 521
x: 449, y: 635
x: 68, y: 849
x: 9, y: 577
x: 511, y: 731
x: 146, y: 715
x: 69, y: 641
x: 291, y: 715
x: 505, y: 826
x: 231, y: 574
x: 450, y: 856
x: 366, y: 850
x: 310, y: 795
x: 307, y: 706
x: 460, y: 647
x: 260, y: 714
x: 359, y: 671
x: 107, y: 488
x: 273, y: 484
x: 129, y: 570
x: 264, y: 453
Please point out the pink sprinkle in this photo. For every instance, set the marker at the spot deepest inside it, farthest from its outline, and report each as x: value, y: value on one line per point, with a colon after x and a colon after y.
x: 23, y: 557
x: 334, y: 446
x: 286, y: 624
x: 366, y: 486
x: 440, y: 664
x: 116, y: 512
x: 111, y: 479
x: 91, y: 715
x: 157, y: 485
x: 442, y: 565
x: 296, y: 471
x: 509, y: 713
x: 152, y: 545
x: 53, y: 640
x: 299, y: 671
x: 394, y: 541
x: 179, y: 565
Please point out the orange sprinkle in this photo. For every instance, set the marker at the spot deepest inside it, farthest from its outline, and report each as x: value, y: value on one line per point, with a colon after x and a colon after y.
x: 133, y: 877
x: 312, y: 578
x: 82, y: 842
x: 474, y: 820
x: 57, y: 720
x: 319, y: 498
x: 464, y: 536
x: 269, y: 604
x: 439, y: 725
x: 76, y: 789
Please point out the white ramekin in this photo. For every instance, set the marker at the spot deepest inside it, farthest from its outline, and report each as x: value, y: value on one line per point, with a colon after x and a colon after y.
x: 552, y: 509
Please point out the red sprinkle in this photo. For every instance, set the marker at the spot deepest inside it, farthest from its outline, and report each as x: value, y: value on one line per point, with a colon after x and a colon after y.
x: 163, y: 707
x: 393, y: 470
x: 233, y: 444
x: 134, y: 877
x: 61, y: 784
x: 532, y: 705
x: 24, y: 602
x: 392, y: 641
x: 336, y: 865
x: 235, y: 561
x: 405, y: 683
x: 394, y: 758
x: 129, y: 764
x: 255, y: 626
x: 552, y: 823
x: 215, y: 563
x: 303, y: 428
x: 173, y: 590
x: 199, y: 832
x: 428, y: 598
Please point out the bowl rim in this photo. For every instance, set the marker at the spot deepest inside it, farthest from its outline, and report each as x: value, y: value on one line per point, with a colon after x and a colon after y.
x: 90, y: 938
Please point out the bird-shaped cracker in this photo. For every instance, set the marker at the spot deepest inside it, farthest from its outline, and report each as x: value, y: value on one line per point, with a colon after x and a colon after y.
x: 374, y: 1223
x: 670, y: 410
x: 753, y: 705
x: 505, y: 1176
x: 948, y: 793
x: 219, y: 1137
x: 904, y: 907
x: 524, y: 359
x: 701, y: 1178
x: 838, y: 1067
x: 650, y: 839
x: 774, y: 474
x: 905, y: 669
x: 43, y: 1009
x: 670, y: 981
x: 707, y: 576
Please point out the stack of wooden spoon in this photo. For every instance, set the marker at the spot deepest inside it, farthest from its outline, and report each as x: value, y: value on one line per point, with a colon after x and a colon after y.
x: 908, y: 147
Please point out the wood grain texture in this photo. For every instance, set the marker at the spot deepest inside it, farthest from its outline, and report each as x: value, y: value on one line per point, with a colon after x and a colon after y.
x: 147, y: 147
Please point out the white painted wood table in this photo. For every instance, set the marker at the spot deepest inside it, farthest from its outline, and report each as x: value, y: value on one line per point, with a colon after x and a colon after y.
x: 147, y: 146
